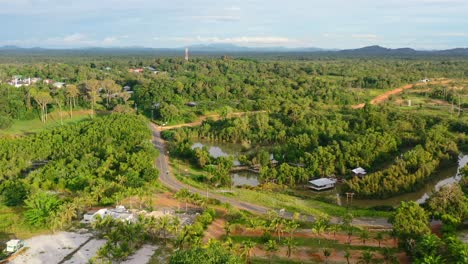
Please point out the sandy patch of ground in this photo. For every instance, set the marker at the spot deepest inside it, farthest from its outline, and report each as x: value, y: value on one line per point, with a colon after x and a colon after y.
x: 88, y: 251
x: 308, y: 254
x: 215, y: 230
x: 158, y: 201
x: 339, y: 237
x: 50, y: 248
x: 383, y: 97
x: 142, y: 256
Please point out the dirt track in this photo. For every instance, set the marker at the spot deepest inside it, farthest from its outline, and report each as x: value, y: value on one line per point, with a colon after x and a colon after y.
x: 205, y: 117
x: 385, y: 96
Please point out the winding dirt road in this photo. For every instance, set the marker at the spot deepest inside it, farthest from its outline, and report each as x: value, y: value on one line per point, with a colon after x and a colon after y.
x: 169, y: 180
x: 385, y: 96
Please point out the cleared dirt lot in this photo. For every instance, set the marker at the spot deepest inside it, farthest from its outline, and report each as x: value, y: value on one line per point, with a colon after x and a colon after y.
x: 50, y: 248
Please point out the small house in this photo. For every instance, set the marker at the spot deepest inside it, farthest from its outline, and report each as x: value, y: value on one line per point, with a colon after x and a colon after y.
x: 14, y: 245
x: 48, y: 81
x: 58, y: 85
x: 359, y: 172
x: 322, y: 184
x: 192, y: 104
x: 118, y: 213
x: 136, y: 70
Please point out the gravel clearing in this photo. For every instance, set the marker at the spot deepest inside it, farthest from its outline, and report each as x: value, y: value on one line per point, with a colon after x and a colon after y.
x: 50, y: 248
x: 86, y: 252
x: 142, y: 256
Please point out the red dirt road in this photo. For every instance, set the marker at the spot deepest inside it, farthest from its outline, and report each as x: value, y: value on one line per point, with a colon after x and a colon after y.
x: 384, y: 97
x: 205, y: 117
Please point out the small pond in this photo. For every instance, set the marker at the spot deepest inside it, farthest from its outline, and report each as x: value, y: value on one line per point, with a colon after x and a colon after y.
x: 229, y: 149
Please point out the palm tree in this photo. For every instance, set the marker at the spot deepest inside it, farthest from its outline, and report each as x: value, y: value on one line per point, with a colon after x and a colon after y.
x: 92, y: 89
x: 291, y: 245
x: 326, y: 253
x: 111, y: 88
x: 43, y: 99
x: 347, y: 255
x: 271, y: 247
x: 318, y: 228
x: 366, y: 257
x: 277, y: 225
x: 227, y: 229
x: 334, y: 229
x: 364, y: 235
x: 389, y: 256
x: 291, y: 227
x: 71, y: 93
x: 379, y: 237
x: 164, y: 223
x: 59, y: 99
x: 247, y: 247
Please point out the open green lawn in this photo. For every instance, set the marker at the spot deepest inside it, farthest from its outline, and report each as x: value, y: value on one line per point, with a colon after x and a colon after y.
x: 21, y: 127
x: 271, y: 199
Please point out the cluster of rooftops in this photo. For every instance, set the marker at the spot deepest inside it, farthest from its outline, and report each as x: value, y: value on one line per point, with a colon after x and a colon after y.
x: 19, y: 81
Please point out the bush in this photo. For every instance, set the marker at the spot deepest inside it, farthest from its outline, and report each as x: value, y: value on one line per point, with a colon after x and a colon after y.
x: 40, y: 207
x: 214, y: 253
x: 14, y: 193
x: 5, y: 122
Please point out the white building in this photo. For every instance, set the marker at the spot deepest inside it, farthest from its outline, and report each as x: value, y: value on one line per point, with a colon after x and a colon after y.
x: 322, y: 184
x: 359, y: 172
x: 14, y: 245
x: 58, y: 85
x: 119, y: 213
x: 18, y: 81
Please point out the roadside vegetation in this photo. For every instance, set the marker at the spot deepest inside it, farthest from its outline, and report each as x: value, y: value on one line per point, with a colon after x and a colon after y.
x: 87, y: 144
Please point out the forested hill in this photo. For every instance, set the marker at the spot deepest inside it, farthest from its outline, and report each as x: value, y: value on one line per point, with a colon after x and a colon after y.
x: 227, y: 49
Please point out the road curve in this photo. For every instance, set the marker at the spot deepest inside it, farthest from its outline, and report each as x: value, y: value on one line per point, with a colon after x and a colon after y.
x: 168, y: 179
x: 385, y: 96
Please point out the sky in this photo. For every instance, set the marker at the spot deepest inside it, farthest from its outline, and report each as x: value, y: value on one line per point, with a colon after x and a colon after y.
x: 337, y: 24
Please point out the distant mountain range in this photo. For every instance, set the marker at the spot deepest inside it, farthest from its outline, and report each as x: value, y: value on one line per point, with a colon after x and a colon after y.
x: 234, y: 49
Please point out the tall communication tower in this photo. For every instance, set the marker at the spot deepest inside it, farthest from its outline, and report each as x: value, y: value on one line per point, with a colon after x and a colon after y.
x: 186, y: 54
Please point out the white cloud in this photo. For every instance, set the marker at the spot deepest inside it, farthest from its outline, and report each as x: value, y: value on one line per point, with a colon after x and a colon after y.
x: 452, y: 34
x: 233, y: 8
x: 68, y: 41
x: 367, y: 37
x: 258, y: 40
x: 217, y: 18
x: 73, y: 38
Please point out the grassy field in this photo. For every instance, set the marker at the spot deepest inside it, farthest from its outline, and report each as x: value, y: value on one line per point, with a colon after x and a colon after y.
x: 272, y: 199
x: 21, y: 127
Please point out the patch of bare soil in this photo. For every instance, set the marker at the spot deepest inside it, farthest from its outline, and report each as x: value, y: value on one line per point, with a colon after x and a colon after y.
x: 383, y: 97
x: 339, y: 237
x: 316, y: 255
x: 215, y: 230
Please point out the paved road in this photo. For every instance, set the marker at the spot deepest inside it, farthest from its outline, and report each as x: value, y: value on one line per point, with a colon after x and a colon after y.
x: 168, y: 179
